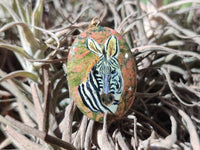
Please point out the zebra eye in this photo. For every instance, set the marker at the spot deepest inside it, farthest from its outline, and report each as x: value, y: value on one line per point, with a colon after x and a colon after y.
x: 113, y: 71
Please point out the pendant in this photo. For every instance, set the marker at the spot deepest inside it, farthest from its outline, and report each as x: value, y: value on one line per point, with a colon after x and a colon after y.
x: 101, y: 73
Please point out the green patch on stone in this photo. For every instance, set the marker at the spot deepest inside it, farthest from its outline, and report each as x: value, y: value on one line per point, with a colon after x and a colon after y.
x: 84, y: 62
x: 76, y: 78
x: 94, y: 115
x: 101, y: 119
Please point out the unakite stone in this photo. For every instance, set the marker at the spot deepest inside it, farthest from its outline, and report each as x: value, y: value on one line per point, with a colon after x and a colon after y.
x: 101, y: 73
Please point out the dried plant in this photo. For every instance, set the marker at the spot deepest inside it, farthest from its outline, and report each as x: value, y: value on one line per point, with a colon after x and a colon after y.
x: 36, y: 111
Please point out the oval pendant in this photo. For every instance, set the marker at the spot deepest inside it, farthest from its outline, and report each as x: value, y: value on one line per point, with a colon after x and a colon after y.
x: 101, y: 73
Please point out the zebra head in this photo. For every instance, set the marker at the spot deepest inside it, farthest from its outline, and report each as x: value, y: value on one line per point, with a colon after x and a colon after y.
x: 104, y: 86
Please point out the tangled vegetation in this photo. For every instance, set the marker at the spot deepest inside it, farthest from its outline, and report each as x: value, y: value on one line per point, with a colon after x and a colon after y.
x: 35, y: 107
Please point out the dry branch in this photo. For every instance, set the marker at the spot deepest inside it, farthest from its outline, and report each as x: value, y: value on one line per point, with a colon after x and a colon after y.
x: 40, y: 134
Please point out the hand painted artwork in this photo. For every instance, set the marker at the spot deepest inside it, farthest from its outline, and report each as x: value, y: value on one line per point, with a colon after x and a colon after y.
x: 103, y: 89
x: 101, y: 73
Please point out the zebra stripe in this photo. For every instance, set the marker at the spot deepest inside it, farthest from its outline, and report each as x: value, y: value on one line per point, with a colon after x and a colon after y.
x: 91, y: 97
x: 95, y: 97
x: 104, y: 82
x: 94, y: 82
x: 85, y: 98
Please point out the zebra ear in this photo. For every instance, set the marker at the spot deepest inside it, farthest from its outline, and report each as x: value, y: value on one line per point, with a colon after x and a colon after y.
x: 93, y: 46
x: 112, y: 47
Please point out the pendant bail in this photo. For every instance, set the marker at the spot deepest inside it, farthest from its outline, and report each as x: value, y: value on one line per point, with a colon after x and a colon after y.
x: 94, y: 22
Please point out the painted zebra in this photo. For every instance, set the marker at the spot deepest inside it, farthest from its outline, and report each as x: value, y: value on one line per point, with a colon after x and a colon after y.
x: 104, y: 86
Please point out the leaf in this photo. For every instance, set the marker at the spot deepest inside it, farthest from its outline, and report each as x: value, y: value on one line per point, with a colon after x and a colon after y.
x: 15, y: 90
x: 28, y: 11
x: 10, y: 10
x: 37, y: 18
x: 16, y: 49
x: 9, y: 25
x: 28, y: 41
x: 20, y: 73
x: 194, y: 137
x: 21, y: 10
